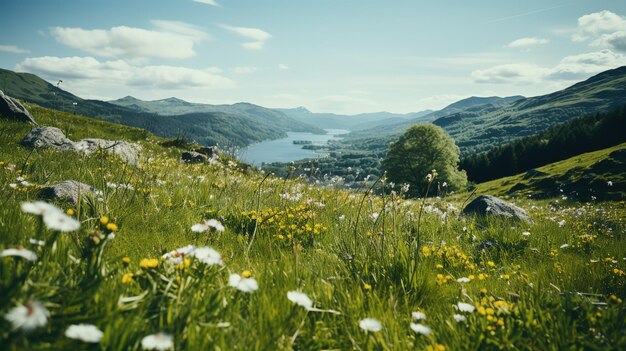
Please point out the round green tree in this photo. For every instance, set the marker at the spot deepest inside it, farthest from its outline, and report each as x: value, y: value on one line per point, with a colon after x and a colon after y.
x: 422, y: 148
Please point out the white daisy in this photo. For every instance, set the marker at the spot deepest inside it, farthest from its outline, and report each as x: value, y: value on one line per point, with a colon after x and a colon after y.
x: 203, y: 227
x: 28, y: 317
x: 243, y: 284
x: 421, y: 329
x: 300, y: 299
x: 39, y: 208
x: 177, y: 256
x: 159, y: 341
x: 207, y: 256
x: 459, y: 318
x: 465, y: 307
x: 418, y: 315
x: 463, y: 280
x: 84, y: 332
x: 370, y: 325
x: 61, y: 222
x: 21, y: 252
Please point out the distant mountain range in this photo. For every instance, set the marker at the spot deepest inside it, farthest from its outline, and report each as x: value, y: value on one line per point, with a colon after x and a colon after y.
x: 227, y: 125
x: 351, y: 122
x: 479, y: 124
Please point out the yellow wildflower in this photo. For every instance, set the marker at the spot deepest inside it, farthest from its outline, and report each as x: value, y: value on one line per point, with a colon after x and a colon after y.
x: 367, y: 287
x: 126, y: 259
x: 149, y: 263
x: 70, y: 212
x: 246, y: 274
x: 127, y: 278
x: 104, y: 220
x: 112, y: 227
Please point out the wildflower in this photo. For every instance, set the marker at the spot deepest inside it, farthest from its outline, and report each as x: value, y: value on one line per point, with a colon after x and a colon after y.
x: 367, y: 287
x: 491, y: 264
x: 176, y: 256
x: 505, y: 276
x: 526, y: 234
x: 208, y: 256
x: 463, y: 280
x: 465, y: 307
x: 300, y: 299
x: 246, y: 274
x: 127, y: 278
x: 104, y: 220
x: 564, y: 246
x: 459, y: 318
x: 421, y: 329
x: 243, y: 284
x: 149, y: 263
x: 483, y: 291
x: 70, y: 212
x: 28, y: 317
x: 370, y: 325
x: 418, y: 315
x: 84, y: 332
x: 203, y: 227
x: 609, y: 183
x: 159, y: 341
x: 39, y: 208
x: 126, y: 260
x: 112, y: 227
x: 21, y: 252
x: 37, y: 242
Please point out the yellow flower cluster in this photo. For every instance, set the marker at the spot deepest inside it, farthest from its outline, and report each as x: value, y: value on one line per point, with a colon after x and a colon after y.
x: 149, y: 263
x: 448, y: 256
x: 288, y: 223
x: 494, y: 311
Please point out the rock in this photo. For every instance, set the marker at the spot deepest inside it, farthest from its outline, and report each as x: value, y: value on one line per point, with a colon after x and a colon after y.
x: 193, y: 157
x: 47, y: 137
x: 10, y: 108
x: 68, y: 190
x: 209, y: 151
x: 488, y: 205
x: 53, y: 138
x: 128, y: 152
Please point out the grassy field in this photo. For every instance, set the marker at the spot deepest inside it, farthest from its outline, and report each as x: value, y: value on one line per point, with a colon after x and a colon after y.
x: 555, y: 284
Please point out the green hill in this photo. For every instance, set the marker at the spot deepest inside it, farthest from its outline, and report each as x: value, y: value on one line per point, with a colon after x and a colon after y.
x: 239, y: 125
x: 597, y: 175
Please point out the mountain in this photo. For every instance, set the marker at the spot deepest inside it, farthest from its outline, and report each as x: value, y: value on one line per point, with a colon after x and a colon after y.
x: 350, y: 122
x: 474, y: 103
x: 227, y: 125
x: 483, y: 129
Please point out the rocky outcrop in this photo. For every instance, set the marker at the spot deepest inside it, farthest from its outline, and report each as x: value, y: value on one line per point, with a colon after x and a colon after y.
x: 53, y: 138
x: 491, y: 206
x: 10, y: 108
x: 68, y: 190
x: 193, y: 157
x: 209, y: 151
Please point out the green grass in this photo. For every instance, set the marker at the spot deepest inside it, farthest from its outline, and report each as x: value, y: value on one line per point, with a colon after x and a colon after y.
x: 351, y: 261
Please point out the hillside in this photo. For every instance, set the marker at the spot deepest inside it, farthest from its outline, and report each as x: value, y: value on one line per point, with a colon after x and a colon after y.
x: 598, y: 175
x: 237, y: 125
x: 208, y: 256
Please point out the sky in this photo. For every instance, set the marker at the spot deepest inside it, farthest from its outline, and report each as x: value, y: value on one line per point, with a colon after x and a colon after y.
x: 341, y: 56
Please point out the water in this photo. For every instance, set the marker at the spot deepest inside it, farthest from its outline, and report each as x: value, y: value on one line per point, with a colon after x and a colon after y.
x: 284, y: 150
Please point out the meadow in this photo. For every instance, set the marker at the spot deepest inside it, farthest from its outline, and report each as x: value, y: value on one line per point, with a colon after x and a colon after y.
x: 277, y: 264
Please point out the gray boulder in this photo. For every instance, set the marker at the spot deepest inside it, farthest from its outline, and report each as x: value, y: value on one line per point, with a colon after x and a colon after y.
x: 53, y: 138
x: 488, y: 205
x: 193, y: 157
x: 128, y: 152
x: 47, y: 137
x: 10, y: 108
x: 68, y: 190
x: 210, y: 151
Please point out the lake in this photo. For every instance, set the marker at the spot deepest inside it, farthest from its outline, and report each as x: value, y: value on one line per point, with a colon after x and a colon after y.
x: 284, y: 150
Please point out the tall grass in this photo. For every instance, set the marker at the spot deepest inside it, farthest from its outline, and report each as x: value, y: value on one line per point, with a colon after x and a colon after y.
x: 353, y: 253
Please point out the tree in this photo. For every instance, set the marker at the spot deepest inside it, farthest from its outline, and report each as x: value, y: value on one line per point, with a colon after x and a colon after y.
x: 421, y: 149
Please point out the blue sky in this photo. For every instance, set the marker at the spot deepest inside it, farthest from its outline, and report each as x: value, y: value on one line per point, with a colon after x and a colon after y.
x: 343, y: 56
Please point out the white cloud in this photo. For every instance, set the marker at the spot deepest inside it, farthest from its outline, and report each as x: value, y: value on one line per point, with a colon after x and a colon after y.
x: 13, y: 49
x: 89, y: 72
x: 515, y: 73
x: 244, y: 69
x: 283, y: 66
x: 258, y: 36
x: 570, y: 68
x: 170, y: 39
x: 208, y: 2
x: 525, y: 42
x: 602, y: 29
x: 578, y: 67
